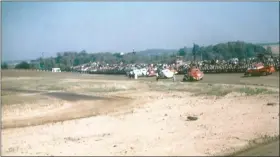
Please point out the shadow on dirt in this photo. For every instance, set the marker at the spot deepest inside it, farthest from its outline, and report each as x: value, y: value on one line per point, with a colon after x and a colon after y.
x: 76, y: 111
x: 191, y: 80
x: 73, y: 96
x: 60, y: 95
x: 250, y: 76
x: 20, y: 90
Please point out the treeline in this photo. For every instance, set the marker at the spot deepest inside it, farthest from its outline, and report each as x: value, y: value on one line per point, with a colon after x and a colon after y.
x: 225, y: 51
x: 220, y: 51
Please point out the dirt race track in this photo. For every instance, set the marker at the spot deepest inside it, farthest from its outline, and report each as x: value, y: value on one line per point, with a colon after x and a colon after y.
x: 47, y: 113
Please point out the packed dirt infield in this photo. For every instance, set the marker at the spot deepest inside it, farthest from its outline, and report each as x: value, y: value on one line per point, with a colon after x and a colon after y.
x: 47, y: 113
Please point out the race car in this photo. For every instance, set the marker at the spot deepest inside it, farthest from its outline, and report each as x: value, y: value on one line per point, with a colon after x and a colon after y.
x: 174, y: 71
x: 166, y: 74
x: 193, y: 74
x: 259, y: 70
x: 151, y: 73
x: 139, y: 72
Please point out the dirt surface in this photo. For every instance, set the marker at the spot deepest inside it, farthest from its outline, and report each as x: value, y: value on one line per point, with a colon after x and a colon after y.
x: 78, y: 114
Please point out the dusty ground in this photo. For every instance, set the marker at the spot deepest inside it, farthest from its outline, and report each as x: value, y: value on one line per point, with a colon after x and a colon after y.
x: 74, y: 114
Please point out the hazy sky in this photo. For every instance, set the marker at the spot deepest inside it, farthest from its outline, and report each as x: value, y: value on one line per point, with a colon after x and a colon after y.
x: 30, y: 28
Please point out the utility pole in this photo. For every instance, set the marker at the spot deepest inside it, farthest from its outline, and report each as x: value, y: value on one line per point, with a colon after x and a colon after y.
x: 201, y: 57
x: 246, y: 56
x: 133, y: 51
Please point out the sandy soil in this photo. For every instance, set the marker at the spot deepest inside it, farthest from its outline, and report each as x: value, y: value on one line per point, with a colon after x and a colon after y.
x: 136, y: 121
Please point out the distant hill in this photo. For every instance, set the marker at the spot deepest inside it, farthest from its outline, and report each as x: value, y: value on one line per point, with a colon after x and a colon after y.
x: 14, y: 62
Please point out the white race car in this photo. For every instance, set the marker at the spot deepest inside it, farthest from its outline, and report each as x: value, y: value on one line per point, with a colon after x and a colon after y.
x: 139, y: 72
x: 166, y: 74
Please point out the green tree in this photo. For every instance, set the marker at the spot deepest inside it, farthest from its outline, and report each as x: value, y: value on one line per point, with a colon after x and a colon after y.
x: 228, y: 50
x: 182, y: 52
x: 268, y: 50
x: 4, y: 65
x: 22, y: 65
x: 34, y: 65
x: 194, y: 51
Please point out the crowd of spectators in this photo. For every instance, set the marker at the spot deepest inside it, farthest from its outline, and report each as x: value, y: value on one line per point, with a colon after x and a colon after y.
x: 206, y: 66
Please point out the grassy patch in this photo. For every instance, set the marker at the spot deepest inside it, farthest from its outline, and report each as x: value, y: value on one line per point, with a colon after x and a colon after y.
x: 215, y: 91
x: 210, y: 89
x: 255, y: 91
x: 222, y: 91
x: 263, y: 146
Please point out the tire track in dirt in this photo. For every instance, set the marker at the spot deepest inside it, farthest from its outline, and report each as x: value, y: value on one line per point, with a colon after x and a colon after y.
x: 78, y: 110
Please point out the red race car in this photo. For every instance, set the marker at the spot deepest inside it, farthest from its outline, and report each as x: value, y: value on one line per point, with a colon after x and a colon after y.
x: 193, y: 74
x: 260, y: 69
x: 151, y: 73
